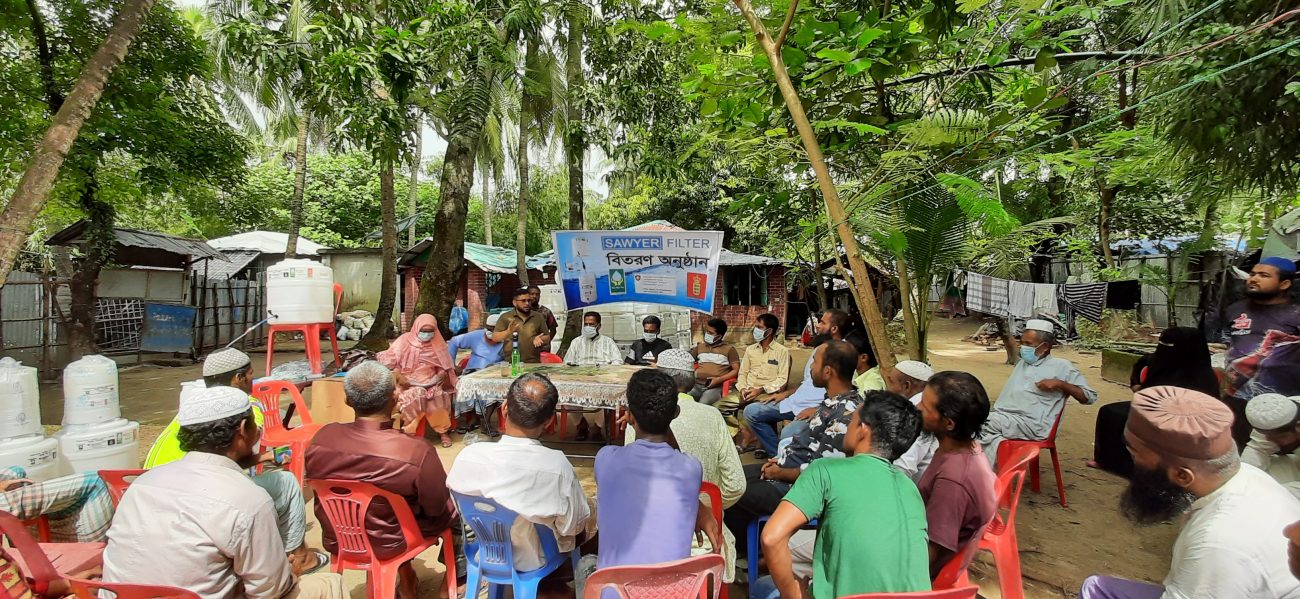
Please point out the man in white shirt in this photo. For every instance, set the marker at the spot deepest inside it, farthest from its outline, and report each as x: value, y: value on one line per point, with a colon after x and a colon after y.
x: 1272, y: 446
x: 1185, y: 461
x: 200, y: 523
x: 1035, y: 392
x: 525, y: 477
x: 592, y: 348
x: 909, y: 379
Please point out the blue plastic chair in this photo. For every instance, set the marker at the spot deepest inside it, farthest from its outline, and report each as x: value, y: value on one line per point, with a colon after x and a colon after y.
x: 491, y: 557
x: 756, y: 550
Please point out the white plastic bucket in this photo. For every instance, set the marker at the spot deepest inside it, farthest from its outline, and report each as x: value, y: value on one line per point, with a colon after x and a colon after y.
x: 90, y: 391
x: 300, y: 292
x: 20, y: 400
x: 37, y: 454
x: 109, y: 445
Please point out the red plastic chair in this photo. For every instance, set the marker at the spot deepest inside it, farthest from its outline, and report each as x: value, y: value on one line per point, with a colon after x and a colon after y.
x: 44, y: 563
x: 274, y: 431
x: 42, y: 526
x: 550, y: 358
x: 89, y: 589
x: 346, y: 504
x: 1000, y: 538
x: 1010, y: 446
x: 310, y: 336
x: 682, y: 579
x: 117, y: 481
x: 715, y: 506
x: 954, y: 573
x: 960, y: 593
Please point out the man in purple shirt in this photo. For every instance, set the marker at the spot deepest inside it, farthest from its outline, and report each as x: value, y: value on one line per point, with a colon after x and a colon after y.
x: 648, y: 492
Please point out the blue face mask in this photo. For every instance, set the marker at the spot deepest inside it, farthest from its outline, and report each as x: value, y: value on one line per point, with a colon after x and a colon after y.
x: 1029, y: 355
x: 759, y: 335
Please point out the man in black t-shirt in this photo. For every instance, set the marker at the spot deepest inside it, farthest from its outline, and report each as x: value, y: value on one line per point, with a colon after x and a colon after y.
x: 646, y: 349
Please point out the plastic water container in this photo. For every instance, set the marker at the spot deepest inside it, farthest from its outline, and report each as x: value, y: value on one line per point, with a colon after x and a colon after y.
x: 300, y: 292
x: 37, y: 454
x: 20, y: 400
x: 109, y: 445
x: 90, y: 391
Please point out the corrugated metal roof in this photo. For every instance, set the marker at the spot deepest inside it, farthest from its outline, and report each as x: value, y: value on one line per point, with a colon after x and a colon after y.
x: 238, y: 260
x: 267, y: 242
x: 150, y: 240
x: 487, y: 257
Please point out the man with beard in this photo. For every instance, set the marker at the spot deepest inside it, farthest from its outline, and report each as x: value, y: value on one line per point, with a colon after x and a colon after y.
x: 1184, y: 460
x: 1263, y: 336
x: 800, y: 404
x: 1272, y: 446
x: 531, y: 326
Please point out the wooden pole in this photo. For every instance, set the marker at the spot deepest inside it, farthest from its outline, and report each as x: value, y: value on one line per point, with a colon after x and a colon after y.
x: 861, y: 284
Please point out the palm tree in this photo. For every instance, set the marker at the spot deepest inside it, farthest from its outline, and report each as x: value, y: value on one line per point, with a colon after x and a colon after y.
x: 498, y: 134
x: 261, y: 51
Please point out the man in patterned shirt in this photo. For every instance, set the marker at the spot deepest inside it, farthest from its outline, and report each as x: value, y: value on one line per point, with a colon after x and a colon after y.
x: 834, y: 364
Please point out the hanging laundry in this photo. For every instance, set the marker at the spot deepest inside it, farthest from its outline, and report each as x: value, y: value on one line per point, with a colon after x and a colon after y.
x: 1045, y: 302
x: 1124, y: 295
x: 987, y: 294
x: 1020, y: 299
x: 1084, y: 299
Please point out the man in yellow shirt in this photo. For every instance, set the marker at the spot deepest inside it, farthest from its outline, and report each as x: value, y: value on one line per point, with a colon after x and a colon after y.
x: 233, y: 368
x: 764, y: 373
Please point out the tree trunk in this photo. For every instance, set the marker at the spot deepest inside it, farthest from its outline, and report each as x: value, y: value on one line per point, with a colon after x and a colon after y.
x: 53, y: 97
x: 413, y: 194
x: 575, y: 146
x: 441, y: 278
x: 100, y: 248
x: 864, y: 295
x: 526, y: 117
x: 911, y: 312
x: 818, y: 278
x: 377, y: 337
x: 299, y: 184
x: 487, y: 205
x: 34, y: 188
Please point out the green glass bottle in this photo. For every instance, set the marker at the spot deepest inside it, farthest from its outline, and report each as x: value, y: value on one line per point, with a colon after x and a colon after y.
x: 514, y: 356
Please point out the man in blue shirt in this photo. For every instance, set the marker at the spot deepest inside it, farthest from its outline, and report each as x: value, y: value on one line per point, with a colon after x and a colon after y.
x: 482, y: 354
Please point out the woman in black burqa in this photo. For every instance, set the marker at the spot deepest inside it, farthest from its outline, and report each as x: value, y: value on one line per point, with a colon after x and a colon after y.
x: 1181, y: 359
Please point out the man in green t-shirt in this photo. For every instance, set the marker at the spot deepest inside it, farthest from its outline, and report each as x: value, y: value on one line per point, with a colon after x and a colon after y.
x: 233, y: 368
x: 872, y: 535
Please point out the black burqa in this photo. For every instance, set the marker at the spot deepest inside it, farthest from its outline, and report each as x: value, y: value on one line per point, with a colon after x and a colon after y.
x: 1181, y: 359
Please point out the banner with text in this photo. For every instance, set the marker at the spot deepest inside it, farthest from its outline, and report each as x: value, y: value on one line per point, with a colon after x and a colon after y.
x: 655, y: 267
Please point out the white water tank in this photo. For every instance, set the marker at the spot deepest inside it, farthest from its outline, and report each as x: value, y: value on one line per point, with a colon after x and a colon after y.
x: 112, y: 445
x: 20, y: 400
x: 37, y: 454
x: 300, y: 292
x: 90, y: 391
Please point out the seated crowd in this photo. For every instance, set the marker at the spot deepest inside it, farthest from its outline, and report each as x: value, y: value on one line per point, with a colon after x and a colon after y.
x: 870, y: 483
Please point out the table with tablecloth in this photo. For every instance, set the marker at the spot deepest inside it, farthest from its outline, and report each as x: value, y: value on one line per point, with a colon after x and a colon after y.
x: 585, y: 387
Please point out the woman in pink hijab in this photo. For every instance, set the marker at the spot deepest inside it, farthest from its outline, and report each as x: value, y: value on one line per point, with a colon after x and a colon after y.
x: 426, y: 379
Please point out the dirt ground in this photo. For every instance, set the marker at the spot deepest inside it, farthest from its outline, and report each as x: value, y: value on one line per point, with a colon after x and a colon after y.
x: 1059, y: 547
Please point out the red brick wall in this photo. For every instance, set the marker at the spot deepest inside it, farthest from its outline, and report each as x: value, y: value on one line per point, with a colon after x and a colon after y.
x: 740, y: 318
x: 472, y: 289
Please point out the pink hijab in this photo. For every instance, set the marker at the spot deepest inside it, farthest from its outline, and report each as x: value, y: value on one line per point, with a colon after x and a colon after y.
x: 411, y: 356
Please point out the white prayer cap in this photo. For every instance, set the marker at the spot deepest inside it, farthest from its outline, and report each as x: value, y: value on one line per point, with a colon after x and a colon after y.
x: 917, y: 370
x: 224, y: 360
x: 212, y: 404
x: 492, y: 320
x: 679, y: 359
x: 1038, y: 324
x: 1272, y: 411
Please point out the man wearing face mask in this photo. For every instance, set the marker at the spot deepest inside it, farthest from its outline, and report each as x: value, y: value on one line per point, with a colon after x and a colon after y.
x: 647, y: 349
x: 592, y: 348
x: 1034, y: 394
x: 1185, y: 461
x: 718, y: 362
x: 764, y: 373
x: 199, y: 523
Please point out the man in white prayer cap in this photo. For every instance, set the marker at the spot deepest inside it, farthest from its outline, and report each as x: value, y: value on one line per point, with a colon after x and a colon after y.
x: 1034, y: 394
x: 1276, y: 420
x: 200, y: 523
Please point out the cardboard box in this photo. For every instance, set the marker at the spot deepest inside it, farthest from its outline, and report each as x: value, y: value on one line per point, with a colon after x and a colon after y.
x: 328, y: 402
